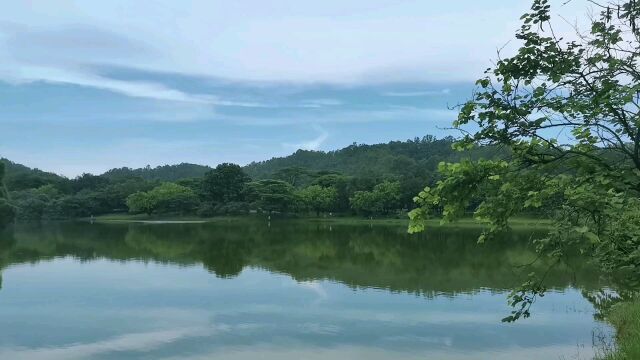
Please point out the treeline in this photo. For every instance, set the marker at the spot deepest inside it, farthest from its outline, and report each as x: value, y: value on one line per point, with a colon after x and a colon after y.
x: 360, y: 179
x: 160, y: 173
x: 7, y: 211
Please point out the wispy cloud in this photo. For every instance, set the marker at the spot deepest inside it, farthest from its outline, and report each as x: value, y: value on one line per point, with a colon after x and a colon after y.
x: 315, y: 287
x: 139, y: 89
x: 417, y: 93
x: 396, y: 113
x: 313, y: 144
x: 327, y: 41
x: 319, y: 103
x: 74, y: 55
x: 128, y: 342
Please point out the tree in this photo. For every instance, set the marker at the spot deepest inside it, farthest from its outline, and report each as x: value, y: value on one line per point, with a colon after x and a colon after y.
x: 167, y: 198
x: 365, y: 202
x: 272, y: 195
x: 343, y: 185
x: 89, y: 182
x: 140, y: 202
x: 318, y: 198
x: 31, y: 204
x: 4, y: 193
x: 7, y: 212
x: 113, y: 198
x: 225, y: 183
x: 384, y: 198
x: 293, y: 175
x: 586, y: 180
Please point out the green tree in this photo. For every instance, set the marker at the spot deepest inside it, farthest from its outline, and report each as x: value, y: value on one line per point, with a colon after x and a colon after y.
x: 140, y: 202
x: 225, y: 183
x: 293, y: 175
x: 365, y: 202
x: 586, y: 180
x: 318, y: 198
x: 7, y: 212
x: 384, y: 198
x: 4, y: 192
x: 89, y: 182
x: 343, y: 185
x: 31, y: 204
x: 167, y: 198
x: 272, y: 195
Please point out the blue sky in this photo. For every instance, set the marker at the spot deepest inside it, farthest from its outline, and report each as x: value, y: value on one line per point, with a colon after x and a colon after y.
x: 87, y: 86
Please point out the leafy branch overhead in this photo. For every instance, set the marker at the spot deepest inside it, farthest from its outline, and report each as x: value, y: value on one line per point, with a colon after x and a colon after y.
x: 567, y: 112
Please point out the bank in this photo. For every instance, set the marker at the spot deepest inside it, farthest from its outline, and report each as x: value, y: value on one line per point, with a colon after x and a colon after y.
x: 521, y: 222
x: 625, y: 318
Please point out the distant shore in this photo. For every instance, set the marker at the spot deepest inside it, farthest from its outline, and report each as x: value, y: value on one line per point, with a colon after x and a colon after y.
x: 521, y: 222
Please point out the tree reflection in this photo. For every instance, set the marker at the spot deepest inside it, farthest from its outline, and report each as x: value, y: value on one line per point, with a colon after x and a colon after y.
x: 444, y: 261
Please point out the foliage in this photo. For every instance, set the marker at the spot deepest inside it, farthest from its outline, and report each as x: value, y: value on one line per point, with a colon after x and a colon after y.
x: 167, y: 198
x: 170, y: 173
x: 415, y: 158
x: 272, y: 195
x: 344, y: 186
x: 382, y: 199
x: 19, y: 177
x: 588, y: 179
x: 7, y: 212
x: 318, y: 198
x: 294, y: 175
x: 225, y: 183
x: 223, y: 190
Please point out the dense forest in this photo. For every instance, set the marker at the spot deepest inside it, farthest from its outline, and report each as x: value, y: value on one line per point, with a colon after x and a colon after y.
x: 367, y: 180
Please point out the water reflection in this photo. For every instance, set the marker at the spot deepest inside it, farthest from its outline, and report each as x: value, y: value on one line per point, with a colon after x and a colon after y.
x: 444, y: 261
x: 291, y: 290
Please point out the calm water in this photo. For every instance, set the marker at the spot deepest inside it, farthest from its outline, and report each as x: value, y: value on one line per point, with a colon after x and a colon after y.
x: 294, y: 290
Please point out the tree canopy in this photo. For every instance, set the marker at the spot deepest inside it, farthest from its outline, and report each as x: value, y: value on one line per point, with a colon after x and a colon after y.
x: 319, y: 198
x: 167, y: 198
x: 568, y: 114
x: 7, y: 212
x: 272, y: 195
x: 225, y: 183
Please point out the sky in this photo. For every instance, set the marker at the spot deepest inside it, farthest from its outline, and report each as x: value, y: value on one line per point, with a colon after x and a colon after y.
x: 86, y: 86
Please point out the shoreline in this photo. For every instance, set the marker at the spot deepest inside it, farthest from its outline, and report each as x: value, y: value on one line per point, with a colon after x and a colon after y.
x: 523, y: 222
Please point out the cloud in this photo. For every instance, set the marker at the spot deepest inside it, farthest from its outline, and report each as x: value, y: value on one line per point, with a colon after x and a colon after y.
x: 128, y: 342
x: 442, y: 116
x: 315, y: 287
x: 74, y: 55
x: 417, y: 93
x: 140, y: 89
x: 319, y: 103
x: 313, y: 144
x: 329, y: 42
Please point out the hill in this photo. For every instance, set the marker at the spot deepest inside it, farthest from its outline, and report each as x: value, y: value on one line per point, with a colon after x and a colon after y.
x: 19, y: 177
x: 418, y: 157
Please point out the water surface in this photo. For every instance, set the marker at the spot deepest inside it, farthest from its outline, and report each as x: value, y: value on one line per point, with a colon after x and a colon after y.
x: 291, y: 290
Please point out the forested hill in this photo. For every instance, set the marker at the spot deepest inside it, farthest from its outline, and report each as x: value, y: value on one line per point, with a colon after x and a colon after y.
x: 360, y: 179
x: 395, y: 159
x: 161, y: 173
x: 19, y: 177
x: 417, y: 157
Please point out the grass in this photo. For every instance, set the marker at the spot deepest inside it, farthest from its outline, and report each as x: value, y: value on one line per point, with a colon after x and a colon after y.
x: 625, y: 317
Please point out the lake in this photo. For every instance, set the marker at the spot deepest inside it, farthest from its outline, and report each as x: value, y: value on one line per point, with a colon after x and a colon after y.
x: 247, y: 289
